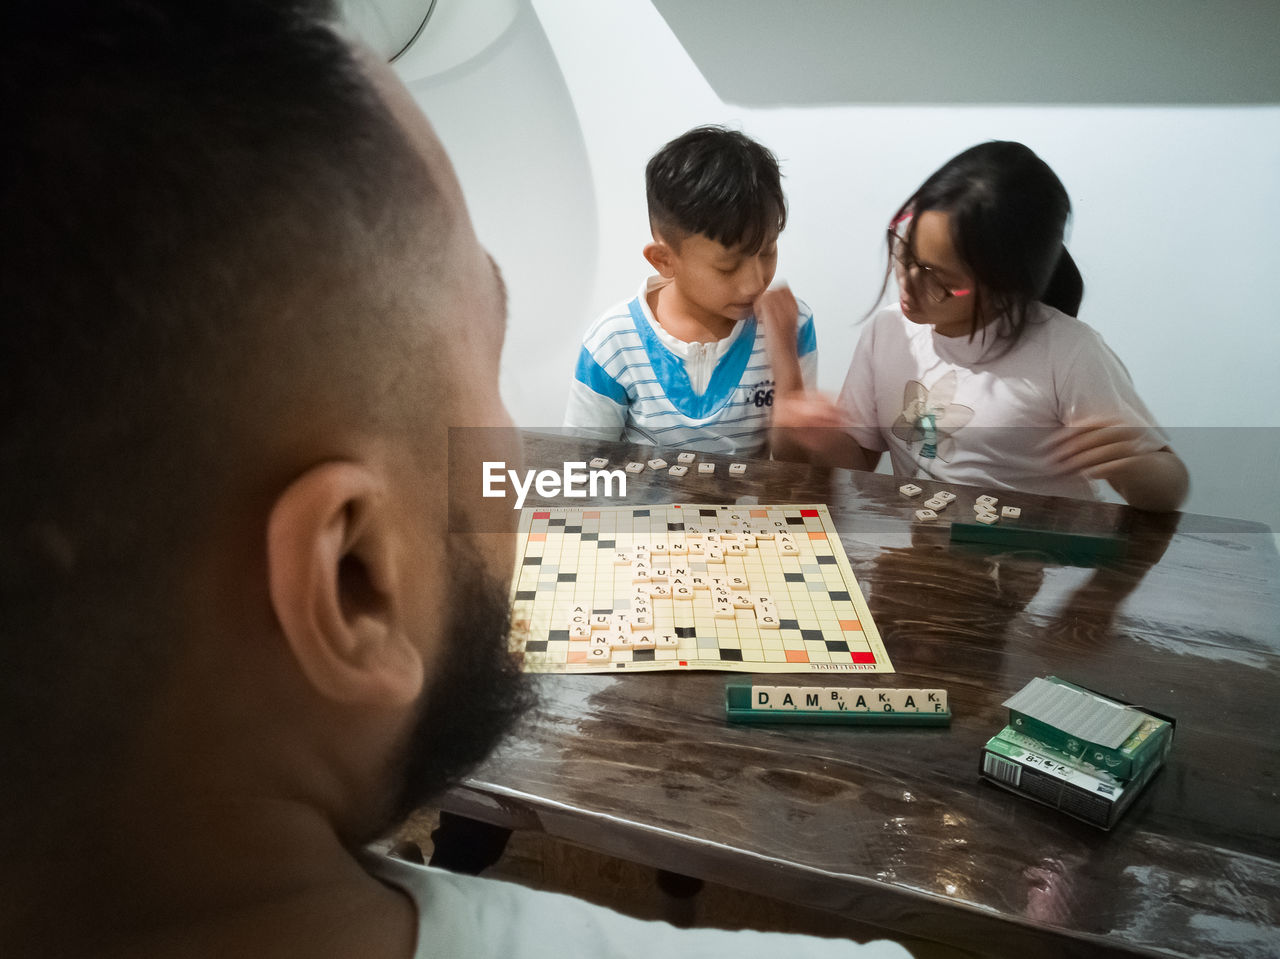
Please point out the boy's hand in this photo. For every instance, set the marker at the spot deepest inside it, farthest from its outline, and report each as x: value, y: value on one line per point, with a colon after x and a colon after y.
x: 778, y: 311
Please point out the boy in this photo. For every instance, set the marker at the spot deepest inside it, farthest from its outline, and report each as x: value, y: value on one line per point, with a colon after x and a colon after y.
x: 695, y: 359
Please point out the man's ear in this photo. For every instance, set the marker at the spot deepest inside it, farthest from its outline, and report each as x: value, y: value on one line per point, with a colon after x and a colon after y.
x: 335, y: 576
x: 661, y: 257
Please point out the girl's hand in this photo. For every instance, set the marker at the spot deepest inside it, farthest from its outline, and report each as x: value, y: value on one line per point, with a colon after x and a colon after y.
x: 1099, y: 448
x: 807, y: 413
x: 810, y: 427
x: 1122, y: 454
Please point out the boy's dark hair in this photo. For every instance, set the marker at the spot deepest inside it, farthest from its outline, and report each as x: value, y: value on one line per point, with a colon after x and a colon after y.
x: 175, y: 177
x: 719, y: 183
x: 1007, y: 211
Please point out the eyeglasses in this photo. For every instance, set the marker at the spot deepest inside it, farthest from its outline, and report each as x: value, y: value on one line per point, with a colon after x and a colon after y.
x: 921, y: 278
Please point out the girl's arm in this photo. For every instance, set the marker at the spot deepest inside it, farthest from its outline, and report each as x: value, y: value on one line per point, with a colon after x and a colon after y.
x: 1148, y: 479
x: 809, y: 427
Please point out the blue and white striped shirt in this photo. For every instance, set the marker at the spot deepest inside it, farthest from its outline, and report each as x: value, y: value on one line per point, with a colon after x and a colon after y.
x: 636, y: 382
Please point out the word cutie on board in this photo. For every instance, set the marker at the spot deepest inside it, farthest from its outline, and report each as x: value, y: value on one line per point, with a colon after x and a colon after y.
x: 762, y: 589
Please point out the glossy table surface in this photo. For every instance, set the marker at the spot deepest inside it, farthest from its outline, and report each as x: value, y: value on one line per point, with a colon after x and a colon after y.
x: 893, y: 826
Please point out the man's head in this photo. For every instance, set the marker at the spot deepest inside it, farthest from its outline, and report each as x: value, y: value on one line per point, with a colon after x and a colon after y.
x: 716, y: 209
x: 244, y: 303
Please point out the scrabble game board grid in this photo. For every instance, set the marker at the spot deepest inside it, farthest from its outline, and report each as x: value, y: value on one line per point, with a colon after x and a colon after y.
x: 568, y: 559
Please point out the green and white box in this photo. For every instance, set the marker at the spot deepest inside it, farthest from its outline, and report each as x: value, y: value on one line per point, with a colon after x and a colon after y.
x: 1029, y: 768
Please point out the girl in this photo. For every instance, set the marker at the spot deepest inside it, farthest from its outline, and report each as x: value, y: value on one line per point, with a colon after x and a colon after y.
x: 981, y: 374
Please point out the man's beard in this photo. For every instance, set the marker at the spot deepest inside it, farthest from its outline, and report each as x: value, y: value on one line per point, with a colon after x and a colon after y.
x: 475, y: 698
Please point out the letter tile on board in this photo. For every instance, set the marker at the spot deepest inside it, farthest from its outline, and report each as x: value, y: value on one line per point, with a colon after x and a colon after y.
x: 764, y: 697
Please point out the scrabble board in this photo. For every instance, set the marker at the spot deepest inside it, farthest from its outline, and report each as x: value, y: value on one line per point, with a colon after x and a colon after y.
x: 760, y: 589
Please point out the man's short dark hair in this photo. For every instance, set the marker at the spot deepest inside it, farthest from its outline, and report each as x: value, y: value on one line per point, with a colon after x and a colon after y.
x: 174, y: 178
x: 718, y: 183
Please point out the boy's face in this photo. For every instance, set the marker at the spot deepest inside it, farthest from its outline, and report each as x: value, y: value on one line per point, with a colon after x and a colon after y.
x: 717, y: 280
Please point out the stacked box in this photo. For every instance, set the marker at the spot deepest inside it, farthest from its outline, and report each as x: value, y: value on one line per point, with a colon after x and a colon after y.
x: 1095, y: 781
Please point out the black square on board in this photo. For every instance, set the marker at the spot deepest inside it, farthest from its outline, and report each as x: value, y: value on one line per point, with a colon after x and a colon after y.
x: 557, y: 635
x: 607, y: 544
x: 686, y: 632
x: 811, y: 635
x: 788, y: 624
x: 566, y: 577
x: 556, y: 522
x: 639, y: 512
x: 731, y: 655
x: 793, y: 577
x: 840, y: 596
x: 573, y: 529
x: 643, y: 656
x: 826, y: 560
x: 674, y: 527
x: 590, y: 537
x: 837, y: 646
x: 795, y: 520
x: 536, y: 646
x: 526, y: 594
x: 706, y: 512
x: 533, y: 561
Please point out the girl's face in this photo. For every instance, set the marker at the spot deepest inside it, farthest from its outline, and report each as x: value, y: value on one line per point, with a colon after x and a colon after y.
x: 936, y: 286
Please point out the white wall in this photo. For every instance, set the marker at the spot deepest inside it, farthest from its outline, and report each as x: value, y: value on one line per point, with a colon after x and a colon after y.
x: 1176, y: 229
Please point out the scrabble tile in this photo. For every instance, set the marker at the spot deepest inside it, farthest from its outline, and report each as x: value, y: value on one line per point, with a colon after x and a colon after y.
x: 706, y: 468
x: 657, y: 463
x: 987, y: 500
x: 945, y: 495
x: 909, y: 490
x: 678, y: 470
x: 926, y: 515
x: 686, y: 458
x: 598, y: 463
x: 1011, y: 512
x: 737, y: 469
x: 634, y: 467
x: 935, y: 504
x: 764, y: 697
x: 987, y: 519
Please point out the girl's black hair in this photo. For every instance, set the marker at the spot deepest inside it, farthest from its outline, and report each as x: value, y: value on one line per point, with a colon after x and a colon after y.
x: 1008, y: 210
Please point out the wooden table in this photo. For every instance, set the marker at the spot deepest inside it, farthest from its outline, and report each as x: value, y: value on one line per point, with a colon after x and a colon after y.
x: 892, y: 826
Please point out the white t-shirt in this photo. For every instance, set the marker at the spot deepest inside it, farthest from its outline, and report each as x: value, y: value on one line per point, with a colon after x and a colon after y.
x: 467, y: 917
x: 957, y: 411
